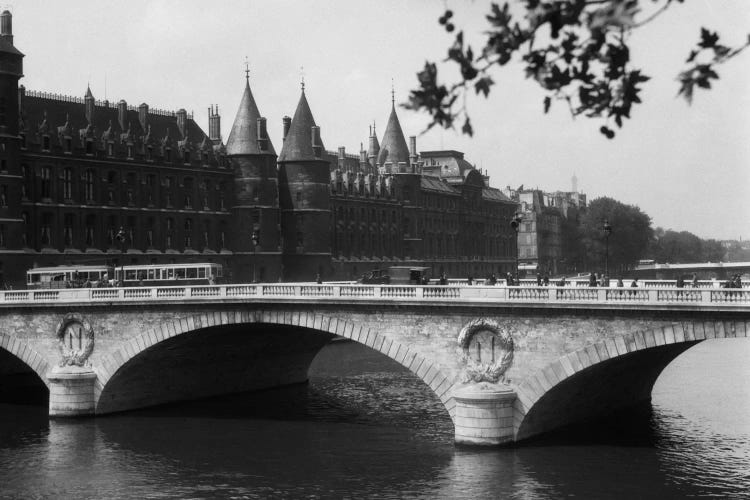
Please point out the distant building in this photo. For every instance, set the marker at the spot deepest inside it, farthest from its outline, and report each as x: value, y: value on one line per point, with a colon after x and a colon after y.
x: 73, y: 171
x: 540, y: 235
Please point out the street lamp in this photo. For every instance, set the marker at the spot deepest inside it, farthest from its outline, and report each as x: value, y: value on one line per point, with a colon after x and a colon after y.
x: 607, y: 231
x: 255, y: 239
x: 515, y: 223
x: 120, y: 237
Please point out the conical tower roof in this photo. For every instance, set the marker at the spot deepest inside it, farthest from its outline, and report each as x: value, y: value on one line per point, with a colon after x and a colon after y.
x: 298, y: 144
x: 243, y: 139
x: 393, y: 148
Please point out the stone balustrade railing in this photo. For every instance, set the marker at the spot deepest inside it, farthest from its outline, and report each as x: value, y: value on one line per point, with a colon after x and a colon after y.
x: 659, y: 295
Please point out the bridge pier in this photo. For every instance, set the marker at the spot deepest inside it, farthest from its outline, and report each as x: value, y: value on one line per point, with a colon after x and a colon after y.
x: 484, y: 415
x: 71, y: 392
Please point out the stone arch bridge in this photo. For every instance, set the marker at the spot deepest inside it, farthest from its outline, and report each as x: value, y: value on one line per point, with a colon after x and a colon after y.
x: 577, y: 353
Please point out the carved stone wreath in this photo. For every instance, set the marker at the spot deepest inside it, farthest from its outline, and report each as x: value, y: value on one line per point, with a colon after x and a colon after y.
x: 75, y: 340
x: 485, y: 337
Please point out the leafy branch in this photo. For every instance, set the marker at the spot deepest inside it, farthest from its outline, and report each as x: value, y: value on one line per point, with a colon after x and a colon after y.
x: 576, y: 50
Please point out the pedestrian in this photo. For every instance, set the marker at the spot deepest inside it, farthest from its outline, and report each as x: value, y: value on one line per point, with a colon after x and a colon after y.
x: 546, y: 279
x: 695, y: 280
x: 592, y: 279
x: 493, y: 279
x: 680, y: 283
x: 318, y: 279
x: 470, y: 280
x: 538, y: 279
x: 443, y: 279
x: 633, y: 284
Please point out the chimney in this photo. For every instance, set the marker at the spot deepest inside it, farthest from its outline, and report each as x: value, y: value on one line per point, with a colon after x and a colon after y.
x: 262, y: 134
x: 143, y: 116
x: 287, y: 123
x: 90, y: 104
x: 122, y: 114
x: 182, y: 121
x: 363, y: 160
x: 214, y: 124
x: 342, y: 157
x: 21, y: 97
x: 6, y: 26
x: 413, y: 149
x: 317, y: 146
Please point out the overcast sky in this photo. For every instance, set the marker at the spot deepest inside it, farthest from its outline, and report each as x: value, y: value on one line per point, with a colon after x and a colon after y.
x: 688, y: 167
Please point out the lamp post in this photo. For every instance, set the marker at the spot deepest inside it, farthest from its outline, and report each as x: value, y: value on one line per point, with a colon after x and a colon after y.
x: 120, y: 237
x: 607, y: 231
x: 255, y: 239
x: 515, y: 223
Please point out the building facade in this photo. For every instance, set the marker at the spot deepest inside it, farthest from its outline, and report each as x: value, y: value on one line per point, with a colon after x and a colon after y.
x: 78, y: 174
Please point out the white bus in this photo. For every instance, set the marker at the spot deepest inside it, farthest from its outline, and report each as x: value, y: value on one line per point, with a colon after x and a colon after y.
x: 198, y: 273
x: 67, y: 276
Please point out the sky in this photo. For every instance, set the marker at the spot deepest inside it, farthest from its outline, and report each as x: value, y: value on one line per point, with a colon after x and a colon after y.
x: 688, y: 167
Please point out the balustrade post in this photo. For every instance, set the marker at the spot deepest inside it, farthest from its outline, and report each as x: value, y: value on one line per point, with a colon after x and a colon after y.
x: 420, y: 292
x: 337, y: 291
x: 601, y: 295
x: 552, y: 294
x: 298, y: 291
x: 378, y: 290
x: 153, y: 293
x: 653, y: 295
x: 121, y: 293
x: 705, y: 296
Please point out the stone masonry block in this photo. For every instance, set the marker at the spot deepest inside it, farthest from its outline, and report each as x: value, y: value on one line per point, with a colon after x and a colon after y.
x: 648, y: 338
x: 402, y: 354
x: 709, y: 329
x: 393, y: 350
x: 612, y: 347
x: 640, y: 342
x: 575, y: 361
x: 699, y: 330
x: 567, y: 366
x: 544, y: 382
x: 430, y: 375
x: 583, y: 357
x: 719, y: 329
x: 559, y: 371
x: 601, y: 350
x: 679, y: 332
x: 4, y: 340
x: 550, y: 375
x: 669, y: 334
x: 659, y: 338
x: 437, y: 381
x: 629, y: 340
x: 423, y: 369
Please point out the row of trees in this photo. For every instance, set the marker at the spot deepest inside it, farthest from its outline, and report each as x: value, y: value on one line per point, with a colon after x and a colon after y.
x: 586, y: 245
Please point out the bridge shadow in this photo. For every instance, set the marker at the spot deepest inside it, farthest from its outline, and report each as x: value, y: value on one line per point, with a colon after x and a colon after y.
x: 19, y: 384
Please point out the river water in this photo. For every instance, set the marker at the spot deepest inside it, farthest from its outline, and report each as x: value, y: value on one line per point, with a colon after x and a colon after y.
x: 364, y: 427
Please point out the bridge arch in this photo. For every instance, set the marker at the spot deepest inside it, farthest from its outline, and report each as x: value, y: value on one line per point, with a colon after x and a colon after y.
x: 425, y: 369
x: 608, y: 375
x: 27, y: 355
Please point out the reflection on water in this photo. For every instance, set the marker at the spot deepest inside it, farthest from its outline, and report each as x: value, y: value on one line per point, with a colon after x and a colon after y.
x: 364, y: 427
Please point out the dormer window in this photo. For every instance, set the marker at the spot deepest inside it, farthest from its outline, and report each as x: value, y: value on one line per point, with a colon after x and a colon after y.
x: 186, y: 157
x: 45, y: 143
x: 68, y: 145
x: 167, y: 155
x: 130, y: 151
x: 110, y: 149
x: 205, y: 157
x: 89, y: 147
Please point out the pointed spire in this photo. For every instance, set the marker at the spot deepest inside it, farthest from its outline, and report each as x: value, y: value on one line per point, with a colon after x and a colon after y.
x: 393, y: 149
x: 243, y: 139
x: 298, y: 145
x: 89, y: 95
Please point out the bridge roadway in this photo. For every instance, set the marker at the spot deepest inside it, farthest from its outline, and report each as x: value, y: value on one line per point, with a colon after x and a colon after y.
x: 508, y: 363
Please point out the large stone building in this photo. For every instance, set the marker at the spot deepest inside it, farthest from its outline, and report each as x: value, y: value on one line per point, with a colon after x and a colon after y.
x: 540, y: 233
x: 74, y: 171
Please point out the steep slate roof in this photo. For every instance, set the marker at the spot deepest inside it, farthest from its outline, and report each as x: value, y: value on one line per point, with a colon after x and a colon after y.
x: 298, y: 143
x: 494, y: 194
x: 393, y: 149
x: 60, y: 111
x: 243, y: 139
x: 435, y: 184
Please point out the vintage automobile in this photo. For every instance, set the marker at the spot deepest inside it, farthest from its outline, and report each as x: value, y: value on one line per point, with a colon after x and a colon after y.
x: 375, y: 277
